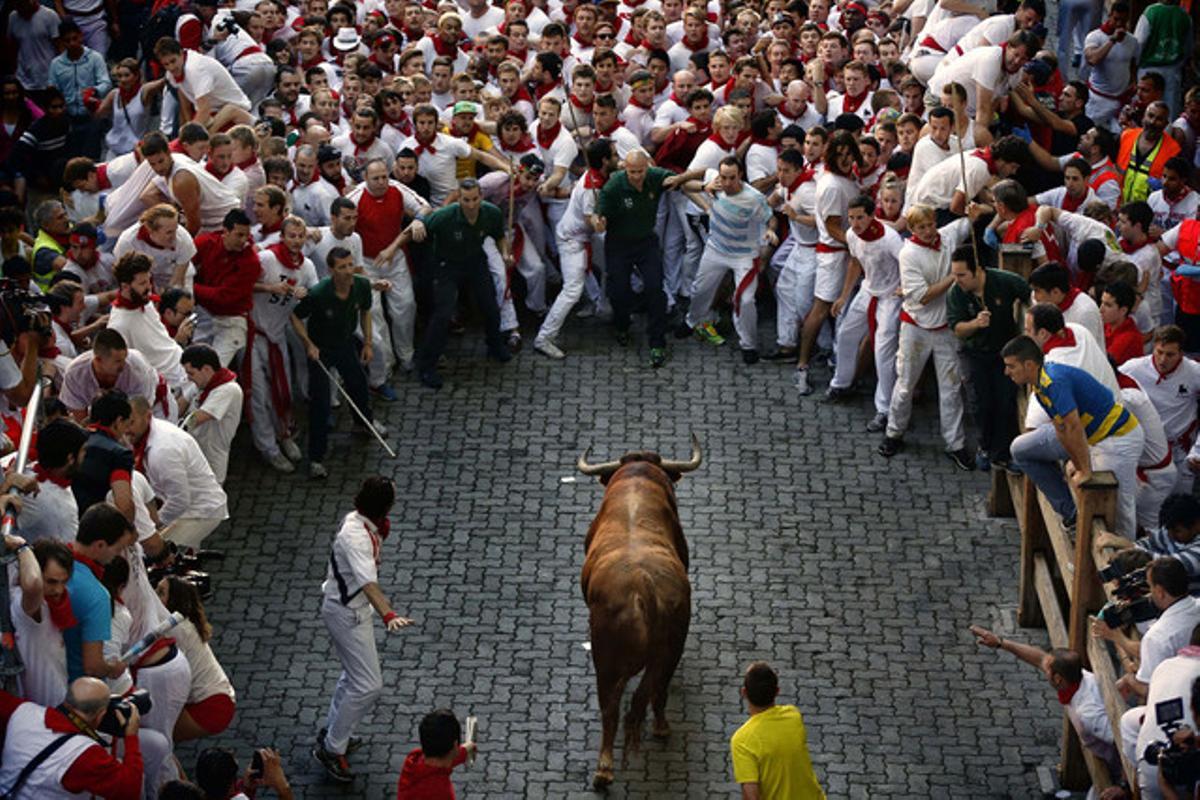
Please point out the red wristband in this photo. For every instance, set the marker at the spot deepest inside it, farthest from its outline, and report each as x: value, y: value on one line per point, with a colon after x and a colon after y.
x: 389, y: 616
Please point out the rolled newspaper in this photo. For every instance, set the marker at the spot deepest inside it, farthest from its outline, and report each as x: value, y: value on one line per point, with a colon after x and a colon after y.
x: 469, y: 733
x: 143, y: 644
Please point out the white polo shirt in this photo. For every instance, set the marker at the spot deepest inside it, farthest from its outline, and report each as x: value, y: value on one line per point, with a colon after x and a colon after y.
x: 145, y: 332
x: 1167, y: 635
x: 181, y: 476
x: 440, y: 167
x: 983, y: 66
x: 205, y: 77
x: 1174, y: 394
x: 353, y: 563
x: 215, y: 436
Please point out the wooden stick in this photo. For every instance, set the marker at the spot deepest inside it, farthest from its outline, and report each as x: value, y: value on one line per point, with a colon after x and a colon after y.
x: 962, y: 162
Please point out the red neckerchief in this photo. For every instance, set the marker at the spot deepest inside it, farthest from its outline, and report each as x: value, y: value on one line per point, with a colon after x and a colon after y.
x: 543, y: 89
x: 46, y: 476
x: 609, y: 132
x: 1064, y: 339
x: 317, y: 61
x: 701, y: 46
x: 276, y: 227
x: 360, y: 148
x: 285, y: 257
x: 936, y: 244
x: 874, y: 232
x: 545, y: 138
x: 248, y: 163
x: 604, y: 88
x: 102, y: 176
x: 851, y: 102
x: 1067, y: 692
x: 95, y: 566
x: 674, y: 98
x: 632, y: 38
x: 586, y: 108
x: 716, y: 137
x: 126, y: 97
x: 1069, y: 300
x: 520, y: 55
x: 1108, y: 27
x: 1129, y: 247
x: 1162, y: 376
x: 139, y: 446
x: 143, y: 235
x: 582, y: 43
x: 211, y: 170
x: 522, y: 93
x: 633, y: 101
x: 523, y: 145
x: 984, y: 154
x: 425, y: 147
x: 61, y: 614
x: 221, y: 377
x: 1071, y: 204
x: 764, y: 142
x: 1173, y: 200
x: 121, y: 302
x: 444, y: 48
x: 64, y: 240
x: 593, y: 179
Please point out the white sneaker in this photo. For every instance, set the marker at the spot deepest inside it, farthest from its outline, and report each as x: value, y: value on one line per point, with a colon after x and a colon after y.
x: 280, y: 463
x: 801, y: 381
x: 290, y: 449
x: 317, y: 470
x: 548, y: 348
x: 586, y: 311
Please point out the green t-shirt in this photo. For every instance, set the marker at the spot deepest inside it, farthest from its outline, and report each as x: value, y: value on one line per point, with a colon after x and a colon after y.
x: 332, y: 320
x: 453, y: 240
x: 771, y: 749
x: 1000, y: 291
x: 1166, y: 42
x: 631, y: 215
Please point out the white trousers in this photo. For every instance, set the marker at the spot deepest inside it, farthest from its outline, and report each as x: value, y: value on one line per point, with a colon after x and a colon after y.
x: 1104, y: 111
x: 1147, y: 775
x: 159, y: 765
x: 361, y: 682
x: 228, y: 337
x: 169, y: 684
x: 853, y: 328
x: 1120, y: 455
x: 713, y: 266
x: 396, y: 338
x: 255, y: 77
x: 916, y: 345
x: 573, y: 260
x: 266, y: 426
x: 1151, y: 492
x: 1185, y: 479
x: 671, y: 226
x: 94, y: 28
x: 794, y: 293
x: 191, y: 531
x: 504, y: 301
x: 923, y: 63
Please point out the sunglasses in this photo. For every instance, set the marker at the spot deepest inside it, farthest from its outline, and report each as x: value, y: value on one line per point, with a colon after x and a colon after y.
x: 606, y: 36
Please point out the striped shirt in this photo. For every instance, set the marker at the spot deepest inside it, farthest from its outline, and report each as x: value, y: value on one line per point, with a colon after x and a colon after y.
x: 736, y: 223
x: 1160, y: 544
x: 1061, y: 389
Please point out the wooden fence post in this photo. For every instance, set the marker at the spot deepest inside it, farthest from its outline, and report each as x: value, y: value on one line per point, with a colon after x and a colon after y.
x: 1033, y: 541
x: 1096, y: 500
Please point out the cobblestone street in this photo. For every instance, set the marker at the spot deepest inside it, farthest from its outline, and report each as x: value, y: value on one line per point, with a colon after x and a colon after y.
x: 855, y: 577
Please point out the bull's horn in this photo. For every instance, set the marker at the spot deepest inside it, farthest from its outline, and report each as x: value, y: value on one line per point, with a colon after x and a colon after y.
x: 690, y: 464
x: 595, y: 469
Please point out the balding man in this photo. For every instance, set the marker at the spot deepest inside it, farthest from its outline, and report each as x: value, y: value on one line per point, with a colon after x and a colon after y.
x: 76, y: 761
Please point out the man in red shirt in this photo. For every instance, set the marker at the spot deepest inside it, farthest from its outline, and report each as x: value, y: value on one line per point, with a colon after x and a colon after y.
x: 226, y: 269
x: 383, y: 206
x: 1122, y: 339
x: 81, y: 764
x: 426, y: 771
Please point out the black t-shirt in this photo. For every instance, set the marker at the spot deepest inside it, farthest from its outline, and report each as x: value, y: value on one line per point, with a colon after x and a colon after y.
x: 105, y: 460
x: 1063, y: 143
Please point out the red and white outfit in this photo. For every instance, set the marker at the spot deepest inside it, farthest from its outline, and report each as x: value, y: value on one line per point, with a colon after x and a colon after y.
x: 982, y: 66
x: 249, y: 66
x: 875, y: 310
x: 145, y: 332
x: 164, y: 261
x: 206, y: 77
x: 556, y: 148
x: 578, y: 244
x: 925, y: 332
x: 1169, y: 212
x: 437, y: 162
x: 362, y: 152
x: 798, y: 274
x: 1156, y: 473
x: 834, y: 194
x: 380, y: 221
x: 860, y: 106
x: 211, y: 699
x: 1175, y: 396
x: 639, y: 120
x: 267, y: 365
x: 222, y: 400
x: 194, y: 503
x: 216, y: 199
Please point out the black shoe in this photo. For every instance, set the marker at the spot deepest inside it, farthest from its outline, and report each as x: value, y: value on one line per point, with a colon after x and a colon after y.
x: 456, y: 327
x: 783, y: 354
x: 962, y: 459
x: 835, y: 395
x: 354, y: 744
x: 431, y: 379
x: 749, y: 357
x: 335, y: 765
x: 889, y: 447
x: 500, y: 354
x: 1007, y: 465
x: 683, y: 330
x: 622, y: 338
x: 658, y: 356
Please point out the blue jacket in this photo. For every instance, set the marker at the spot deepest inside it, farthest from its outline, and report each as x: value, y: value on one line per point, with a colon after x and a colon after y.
x: 72, y: 77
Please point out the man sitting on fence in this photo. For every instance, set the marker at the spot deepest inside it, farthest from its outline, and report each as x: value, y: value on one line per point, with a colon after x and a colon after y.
x: 1077, y: 689
x: 1089, y: 429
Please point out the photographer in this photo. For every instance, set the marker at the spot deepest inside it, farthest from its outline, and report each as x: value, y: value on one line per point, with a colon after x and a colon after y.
x: 1175, y: 536
x: 217, y: 774
x: 52, y: 751
x: 1168, y: 582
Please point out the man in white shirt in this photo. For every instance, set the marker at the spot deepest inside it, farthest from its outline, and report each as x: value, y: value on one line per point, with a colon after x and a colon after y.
x: 51, y: 512
x: 987, y: 73
x: 136, y: 318
x: 1111, y: 52
x: 437, y: 153
x: 1051, y: 283
x: 217, y: 410
x: 110, y: 364
x: 1173, y: 385
x: 343, y: 218
x: 193, y: 502
x: 351, y: 593
x: 935, y: 148
x: 207, y: 92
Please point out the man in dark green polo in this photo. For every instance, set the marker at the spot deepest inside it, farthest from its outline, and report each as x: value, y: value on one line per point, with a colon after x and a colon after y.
x: 627, y: 210
x: 454, y: 252
x: 980, y: 311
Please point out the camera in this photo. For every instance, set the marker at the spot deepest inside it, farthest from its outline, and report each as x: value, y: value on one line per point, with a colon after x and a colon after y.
x: 24, y: 311
x: 124, y: 704
x: 1129, y: 612
x: 1181, y: 767
x: 1132, y: 585
x: 188, y: 565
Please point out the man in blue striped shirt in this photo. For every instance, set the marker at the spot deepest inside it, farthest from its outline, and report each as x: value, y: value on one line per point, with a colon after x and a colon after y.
x: 1089, y: 428
x: 1175, y: 536
x: 738, y: 220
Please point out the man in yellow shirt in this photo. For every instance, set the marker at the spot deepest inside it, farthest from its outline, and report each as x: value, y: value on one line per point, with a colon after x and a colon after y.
x: 770, y: 750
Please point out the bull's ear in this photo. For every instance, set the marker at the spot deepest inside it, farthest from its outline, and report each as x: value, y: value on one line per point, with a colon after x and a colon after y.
x: 605, y: 478
x: 673, y: 475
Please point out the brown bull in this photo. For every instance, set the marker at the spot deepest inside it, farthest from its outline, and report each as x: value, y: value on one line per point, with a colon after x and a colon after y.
x: 636, y: 586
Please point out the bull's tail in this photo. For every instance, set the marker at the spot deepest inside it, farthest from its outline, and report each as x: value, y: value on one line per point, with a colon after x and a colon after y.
x: 646, y: 616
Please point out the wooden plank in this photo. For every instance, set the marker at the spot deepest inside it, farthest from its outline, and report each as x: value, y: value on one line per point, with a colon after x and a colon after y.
x: 1114, y: 704
x: 1060, y: 542
x: 1000, y: 499
x: 1056, y: 625
x: 1033, y: 541
x: 1097, y: 504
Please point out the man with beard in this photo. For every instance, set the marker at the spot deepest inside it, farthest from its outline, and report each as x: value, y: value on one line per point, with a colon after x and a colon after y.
x: 134, y: 316
x: 1144, y: 153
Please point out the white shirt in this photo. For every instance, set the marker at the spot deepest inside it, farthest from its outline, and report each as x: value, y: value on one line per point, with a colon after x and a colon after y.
x: 993, y: 31
x: 561, y: 153
x: 1173, y: 678
x: 50, y: 513
x: 44, y: 679
x: 1090, y: 718
x: 144, y: 331
x: 1112, y: 75
x: 639, y: 121
x: 880, y: 260
x: 803, y: 199
x: 836, y: 104
x: 1084, y: 312
x: 940, y: 181
x: 982, y: 66
x: 216, y: 200
x: 271, y: 313
x: 311, y: 202
x: 164, y: 261
x: 215, y: 436
x: 378, y: 148
x: 1087, y: 354
x: 355, y: 550
x: 319, y: 251
x: 834, y: 194
x: 761, y: 160
x: 669, y: 113
x: 1167, y: 635
x: 80, y: 387
x: 1167, y: 214
x: 1175, y: 395
x: 180, y: 475
x: 205, y: 77
x: 1149, y: 264
x: 573, y: 229
x: 491, y: 19
x: 440, y: 168
x: 926, y: 155
x: 35, y: 45
x: 208, y: 678
x: 1155, y: 448
x: 921, y: 267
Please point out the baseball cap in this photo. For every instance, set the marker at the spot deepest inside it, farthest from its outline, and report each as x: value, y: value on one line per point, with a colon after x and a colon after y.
x: 328, y: 152
x: 465, y: 107
x: 532, y: 164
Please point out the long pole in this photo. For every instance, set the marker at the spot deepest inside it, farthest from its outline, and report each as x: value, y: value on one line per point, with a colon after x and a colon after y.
x: 370, y: 425
x: 10, y: 657
x: 962, y: 163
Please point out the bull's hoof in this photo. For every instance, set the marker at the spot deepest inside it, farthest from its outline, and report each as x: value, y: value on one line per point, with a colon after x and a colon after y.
x: 602, y: 779
x: 661, y: 731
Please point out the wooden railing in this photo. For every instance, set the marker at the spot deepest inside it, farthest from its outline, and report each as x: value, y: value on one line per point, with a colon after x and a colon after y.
x: 1060, y: 589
